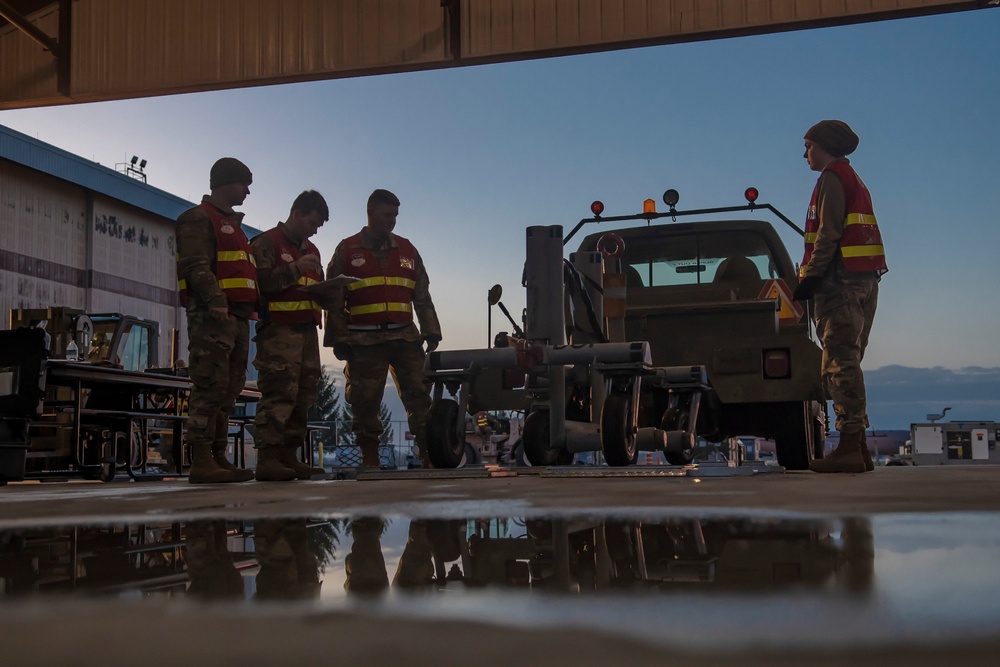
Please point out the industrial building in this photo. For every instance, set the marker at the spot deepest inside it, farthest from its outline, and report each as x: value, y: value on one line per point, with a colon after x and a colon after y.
x: 84, y: 236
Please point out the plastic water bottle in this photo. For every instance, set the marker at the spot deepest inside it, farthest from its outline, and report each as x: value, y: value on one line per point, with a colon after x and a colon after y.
x: 72, y: 351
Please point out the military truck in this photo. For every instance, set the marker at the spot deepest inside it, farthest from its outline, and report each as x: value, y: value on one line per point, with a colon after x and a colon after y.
x: 717, y: 294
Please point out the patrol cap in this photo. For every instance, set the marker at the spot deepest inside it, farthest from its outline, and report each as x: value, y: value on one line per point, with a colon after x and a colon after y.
x: 834, y: 136
x: 228, y: 170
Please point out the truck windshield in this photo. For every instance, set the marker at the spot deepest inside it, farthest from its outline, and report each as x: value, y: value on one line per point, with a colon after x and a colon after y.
x: 697, y: 259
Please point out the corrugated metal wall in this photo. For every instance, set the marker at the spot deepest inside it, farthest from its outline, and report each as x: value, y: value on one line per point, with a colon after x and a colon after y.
x: 130, y: 48
x: 57, y: 236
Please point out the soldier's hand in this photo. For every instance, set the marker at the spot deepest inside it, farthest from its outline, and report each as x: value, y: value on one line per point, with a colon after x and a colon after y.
x: 342, y: 351
x: 432, y: 343
x: 220, y: 313
x: 309, y: 263
x: 806, y: 288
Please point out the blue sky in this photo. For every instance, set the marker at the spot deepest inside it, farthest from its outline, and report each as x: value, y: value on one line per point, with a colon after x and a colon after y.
x: 477, y: 154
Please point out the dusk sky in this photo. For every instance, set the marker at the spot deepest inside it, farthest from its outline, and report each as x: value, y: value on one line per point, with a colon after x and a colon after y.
x: 477, y: 154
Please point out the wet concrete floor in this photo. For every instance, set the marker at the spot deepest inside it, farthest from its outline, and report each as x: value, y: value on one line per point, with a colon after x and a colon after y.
x: 899, y: 566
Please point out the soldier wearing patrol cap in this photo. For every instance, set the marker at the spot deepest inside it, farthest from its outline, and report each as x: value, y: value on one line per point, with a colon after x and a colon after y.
x: 370, y: 325
x: 840, y: 271
x: 218, y: 287
x: 287, y: 358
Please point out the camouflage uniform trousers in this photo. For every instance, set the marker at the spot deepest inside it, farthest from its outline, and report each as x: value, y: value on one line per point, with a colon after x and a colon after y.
x: 844, y: 313
x: 366, y: 373
x: 288, y: 570
x: 289, y: 369
x: 364, y: 566
x: 217, y: 365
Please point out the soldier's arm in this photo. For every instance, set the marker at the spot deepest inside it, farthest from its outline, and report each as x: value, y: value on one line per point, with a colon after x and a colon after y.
x: 271, y: 277
x: 336, y: 301
x: 423, y: 305
x: 831, y: 208
x: 195, y: 258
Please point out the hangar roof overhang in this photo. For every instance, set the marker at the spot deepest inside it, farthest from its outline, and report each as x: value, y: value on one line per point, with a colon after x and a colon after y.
x: 66, y: 51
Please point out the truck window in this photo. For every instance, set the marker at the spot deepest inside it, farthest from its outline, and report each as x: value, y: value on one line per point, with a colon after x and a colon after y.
x: 698, y: 259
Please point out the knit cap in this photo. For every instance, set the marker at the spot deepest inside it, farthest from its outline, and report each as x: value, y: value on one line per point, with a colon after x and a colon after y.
x: 229, y: 170
x: 834, y: 136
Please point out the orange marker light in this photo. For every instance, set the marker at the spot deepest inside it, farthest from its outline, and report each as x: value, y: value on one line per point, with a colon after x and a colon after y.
x: 649, y: 206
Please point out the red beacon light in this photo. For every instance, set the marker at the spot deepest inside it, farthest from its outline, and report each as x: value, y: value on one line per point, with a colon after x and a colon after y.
x: 597, y: 208
x: 751, y: 195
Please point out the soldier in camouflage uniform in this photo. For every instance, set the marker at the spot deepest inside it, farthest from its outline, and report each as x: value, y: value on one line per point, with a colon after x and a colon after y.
x: 218, y: 286
x: 843, y: 263
x: 287, y: 359
x: 288, y: 570
x: 370, y: 325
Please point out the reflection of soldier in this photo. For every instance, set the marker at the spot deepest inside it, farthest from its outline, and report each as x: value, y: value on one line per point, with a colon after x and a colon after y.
x: 288, y: 570
x: 416, y: 564
x: 365, y: 565
x: 370, y: 324
x: 209, y: 563
x: 287, y: 342
x: 218, y: 286
x: 843, y: 263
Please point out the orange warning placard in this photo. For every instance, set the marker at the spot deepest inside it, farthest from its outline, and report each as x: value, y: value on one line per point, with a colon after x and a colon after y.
x: 790, y: 311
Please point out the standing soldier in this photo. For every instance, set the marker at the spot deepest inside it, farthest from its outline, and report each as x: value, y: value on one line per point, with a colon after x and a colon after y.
x: 218, y: 286
x: 287, y: 342
x: 370, y: 325
x: 843, y: 263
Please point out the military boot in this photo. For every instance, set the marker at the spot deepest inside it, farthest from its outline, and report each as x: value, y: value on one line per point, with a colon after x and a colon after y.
x: 846, y: 457
x: 270, y: 468
x: 369, y: 453
x: 242, y: 474
x: 205, y: 470
x: 865, y: 453
x: 302, y: 471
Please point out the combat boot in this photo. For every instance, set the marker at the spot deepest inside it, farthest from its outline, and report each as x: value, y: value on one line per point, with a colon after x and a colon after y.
x: 846, y: 457
x: 270, y: 468
x: 205, y: 470
x: 241, y: 474
x: 865, y: 454
x: 302, y: 471
x: 369, y: 454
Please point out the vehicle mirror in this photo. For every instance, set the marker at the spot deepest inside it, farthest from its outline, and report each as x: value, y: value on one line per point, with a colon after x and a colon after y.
x: 494, y: 295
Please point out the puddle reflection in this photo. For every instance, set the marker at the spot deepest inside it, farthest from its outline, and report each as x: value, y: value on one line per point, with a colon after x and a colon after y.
x: 370, y: 556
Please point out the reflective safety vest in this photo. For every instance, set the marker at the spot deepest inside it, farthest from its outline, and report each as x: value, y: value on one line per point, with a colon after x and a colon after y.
x: 861, y: 243
x: 293, y: 305
x: 235, y: 267
x: 382, y: 296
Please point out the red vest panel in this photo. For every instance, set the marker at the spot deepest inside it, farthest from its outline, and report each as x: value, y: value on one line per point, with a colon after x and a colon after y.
x: 234, y: 264
x: 382, y: 296
x: 293, y: 305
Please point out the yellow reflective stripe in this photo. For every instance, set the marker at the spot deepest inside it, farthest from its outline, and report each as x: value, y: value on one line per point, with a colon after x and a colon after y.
x: 863, y: 251
x: 305, y: 281
x: 860, y: 219
x: 810, y: 237
x: 381, y: 308
x: 182, y: 283
x: 236, y: 283
x: 231, y: 255
x: 288, y: 306
x: 375, y: 281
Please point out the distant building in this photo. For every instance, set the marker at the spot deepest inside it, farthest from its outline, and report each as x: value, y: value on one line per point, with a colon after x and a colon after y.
x: 84, y: 236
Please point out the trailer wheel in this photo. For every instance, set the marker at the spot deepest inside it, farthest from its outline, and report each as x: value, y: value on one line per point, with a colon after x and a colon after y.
x: 680, y: 446
x: 444, y: 447
x: 618, y: 434
x: 536, y: 440
x: 800, y: 435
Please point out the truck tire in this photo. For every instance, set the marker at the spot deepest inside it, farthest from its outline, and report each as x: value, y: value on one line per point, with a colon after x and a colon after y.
x: 800, y: 435
x: 536, y: 440
x: 444, y: 447
x: 618, y: 434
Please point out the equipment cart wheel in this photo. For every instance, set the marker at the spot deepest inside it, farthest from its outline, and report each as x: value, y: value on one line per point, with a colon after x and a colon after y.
x: 444, y: 447
x: 618, y: 433
x: 536, y: 439
x: 680, y: 445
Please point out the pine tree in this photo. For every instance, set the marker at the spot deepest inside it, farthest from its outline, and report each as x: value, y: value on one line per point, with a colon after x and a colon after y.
x: 326, y: 410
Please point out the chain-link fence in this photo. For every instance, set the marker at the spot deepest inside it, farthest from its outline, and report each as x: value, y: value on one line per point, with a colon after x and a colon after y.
x: 333, y: 445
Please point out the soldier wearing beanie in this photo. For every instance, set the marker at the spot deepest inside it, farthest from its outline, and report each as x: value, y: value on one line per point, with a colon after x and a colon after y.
x: 843, y: 262
x: 218, y: 287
